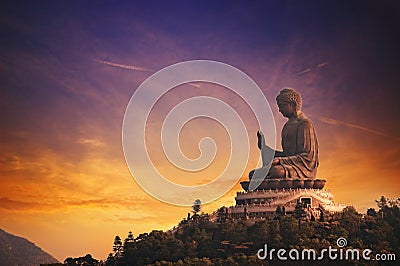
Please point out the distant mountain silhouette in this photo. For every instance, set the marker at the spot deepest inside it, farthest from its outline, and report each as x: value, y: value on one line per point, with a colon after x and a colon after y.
x: 15, y: 250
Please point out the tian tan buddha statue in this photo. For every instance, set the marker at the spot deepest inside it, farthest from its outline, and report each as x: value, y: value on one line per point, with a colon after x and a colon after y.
x: 295, y: 166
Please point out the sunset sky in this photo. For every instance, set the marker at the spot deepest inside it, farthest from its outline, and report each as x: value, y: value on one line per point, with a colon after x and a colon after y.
x: 69, y: 68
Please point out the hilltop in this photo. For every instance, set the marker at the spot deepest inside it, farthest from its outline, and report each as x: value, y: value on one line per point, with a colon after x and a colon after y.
x: 225, y: 240
x: 15, y: 250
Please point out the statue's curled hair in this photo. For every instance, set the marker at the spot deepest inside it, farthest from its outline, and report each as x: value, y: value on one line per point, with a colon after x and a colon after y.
x: 289, y: 95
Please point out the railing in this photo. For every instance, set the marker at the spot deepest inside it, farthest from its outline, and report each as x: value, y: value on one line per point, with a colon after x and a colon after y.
x: 282, y: 193
x: 280, y: 198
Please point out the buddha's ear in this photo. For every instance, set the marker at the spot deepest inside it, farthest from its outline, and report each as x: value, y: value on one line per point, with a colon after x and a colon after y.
x: 295, y: 107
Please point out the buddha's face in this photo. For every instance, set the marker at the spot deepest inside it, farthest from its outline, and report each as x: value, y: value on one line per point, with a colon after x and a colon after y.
x: 286, y: 109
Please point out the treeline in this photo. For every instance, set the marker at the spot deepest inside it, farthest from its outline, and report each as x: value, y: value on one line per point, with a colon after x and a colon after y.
x: 197, y: 241
x: 229, y: 241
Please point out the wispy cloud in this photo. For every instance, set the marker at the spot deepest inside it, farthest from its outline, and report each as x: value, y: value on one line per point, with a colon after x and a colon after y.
x: 335, y: 122
x: 312, y: 68
x: 91, y: 142
x: 129, y: 67
x: 9, y: 162
x: 129, y: 219
x: 49, y: 204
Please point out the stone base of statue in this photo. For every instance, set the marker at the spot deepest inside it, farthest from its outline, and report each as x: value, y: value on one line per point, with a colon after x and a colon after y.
x: 274, y: 183
x: 284, y: 194
x: 261, y: 203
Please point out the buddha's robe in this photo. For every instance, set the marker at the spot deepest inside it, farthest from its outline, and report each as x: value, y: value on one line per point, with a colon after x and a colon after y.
x: 300, y: 149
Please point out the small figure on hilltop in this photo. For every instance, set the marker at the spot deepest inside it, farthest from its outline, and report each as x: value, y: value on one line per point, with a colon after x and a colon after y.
x: 299, y: 158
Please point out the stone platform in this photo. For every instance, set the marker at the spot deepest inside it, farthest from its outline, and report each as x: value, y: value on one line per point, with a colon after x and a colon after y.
x: 261, y: 203
x: 287, y: 184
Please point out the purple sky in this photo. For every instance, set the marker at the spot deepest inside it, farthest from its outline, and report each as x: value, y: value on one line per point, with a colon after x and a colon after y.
x: 62, y: 106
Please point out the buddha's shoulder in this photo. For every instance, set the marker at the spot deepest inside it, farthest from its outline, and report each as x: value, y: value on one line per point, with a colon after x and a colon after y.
x: 304, y: 121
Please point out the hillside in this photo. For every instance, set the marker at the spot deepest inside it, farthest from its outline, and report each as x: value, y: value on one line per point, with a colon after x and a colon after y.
x: 15, y: 250
x: 237, y: 241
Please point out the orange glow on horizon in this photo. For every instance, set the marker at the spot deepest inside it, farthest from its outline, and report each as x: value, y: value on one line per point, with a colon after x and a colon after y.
x: 68, y: 71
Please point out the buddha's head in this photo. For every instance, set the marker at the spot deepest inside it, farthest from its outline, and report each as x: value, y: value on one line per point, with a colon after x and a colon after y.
x: 289, y: 102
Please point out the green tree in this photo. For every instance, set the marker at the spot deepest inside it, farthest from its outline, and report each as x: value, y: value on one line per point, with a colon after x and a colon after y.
x: 259, y: 233
x: 274, y: 231
x: 86, y: 260
x: 110, y: 260
x: 382, y: 204
x: 299, y: 212
x: 289, y: 230
x: 129, y: 238
x: 351, y: 221
x: 70, y: 261
x: 371, y: 212
x: 196, y: 207
x: 118, y: 247
x: 230, y: 241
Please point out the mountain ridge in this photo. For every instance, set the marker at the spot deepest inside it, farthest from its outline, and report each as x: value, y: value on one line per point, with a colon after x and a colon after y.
x: 16, y: 250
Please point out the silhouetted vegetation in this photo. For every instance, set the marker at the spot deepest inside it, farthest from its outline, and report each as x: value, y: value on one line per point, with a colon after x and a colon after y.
x: 228, y: 241
x: 86, y: 260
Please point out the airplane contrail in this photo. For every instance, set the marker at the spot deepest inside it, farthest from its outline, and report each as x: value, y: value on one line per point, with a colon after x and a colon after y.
x: 130, y: 67
x: 322, y: 64
x: 335, y: 122
x: 303, y: 72
x: 312, y: 68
